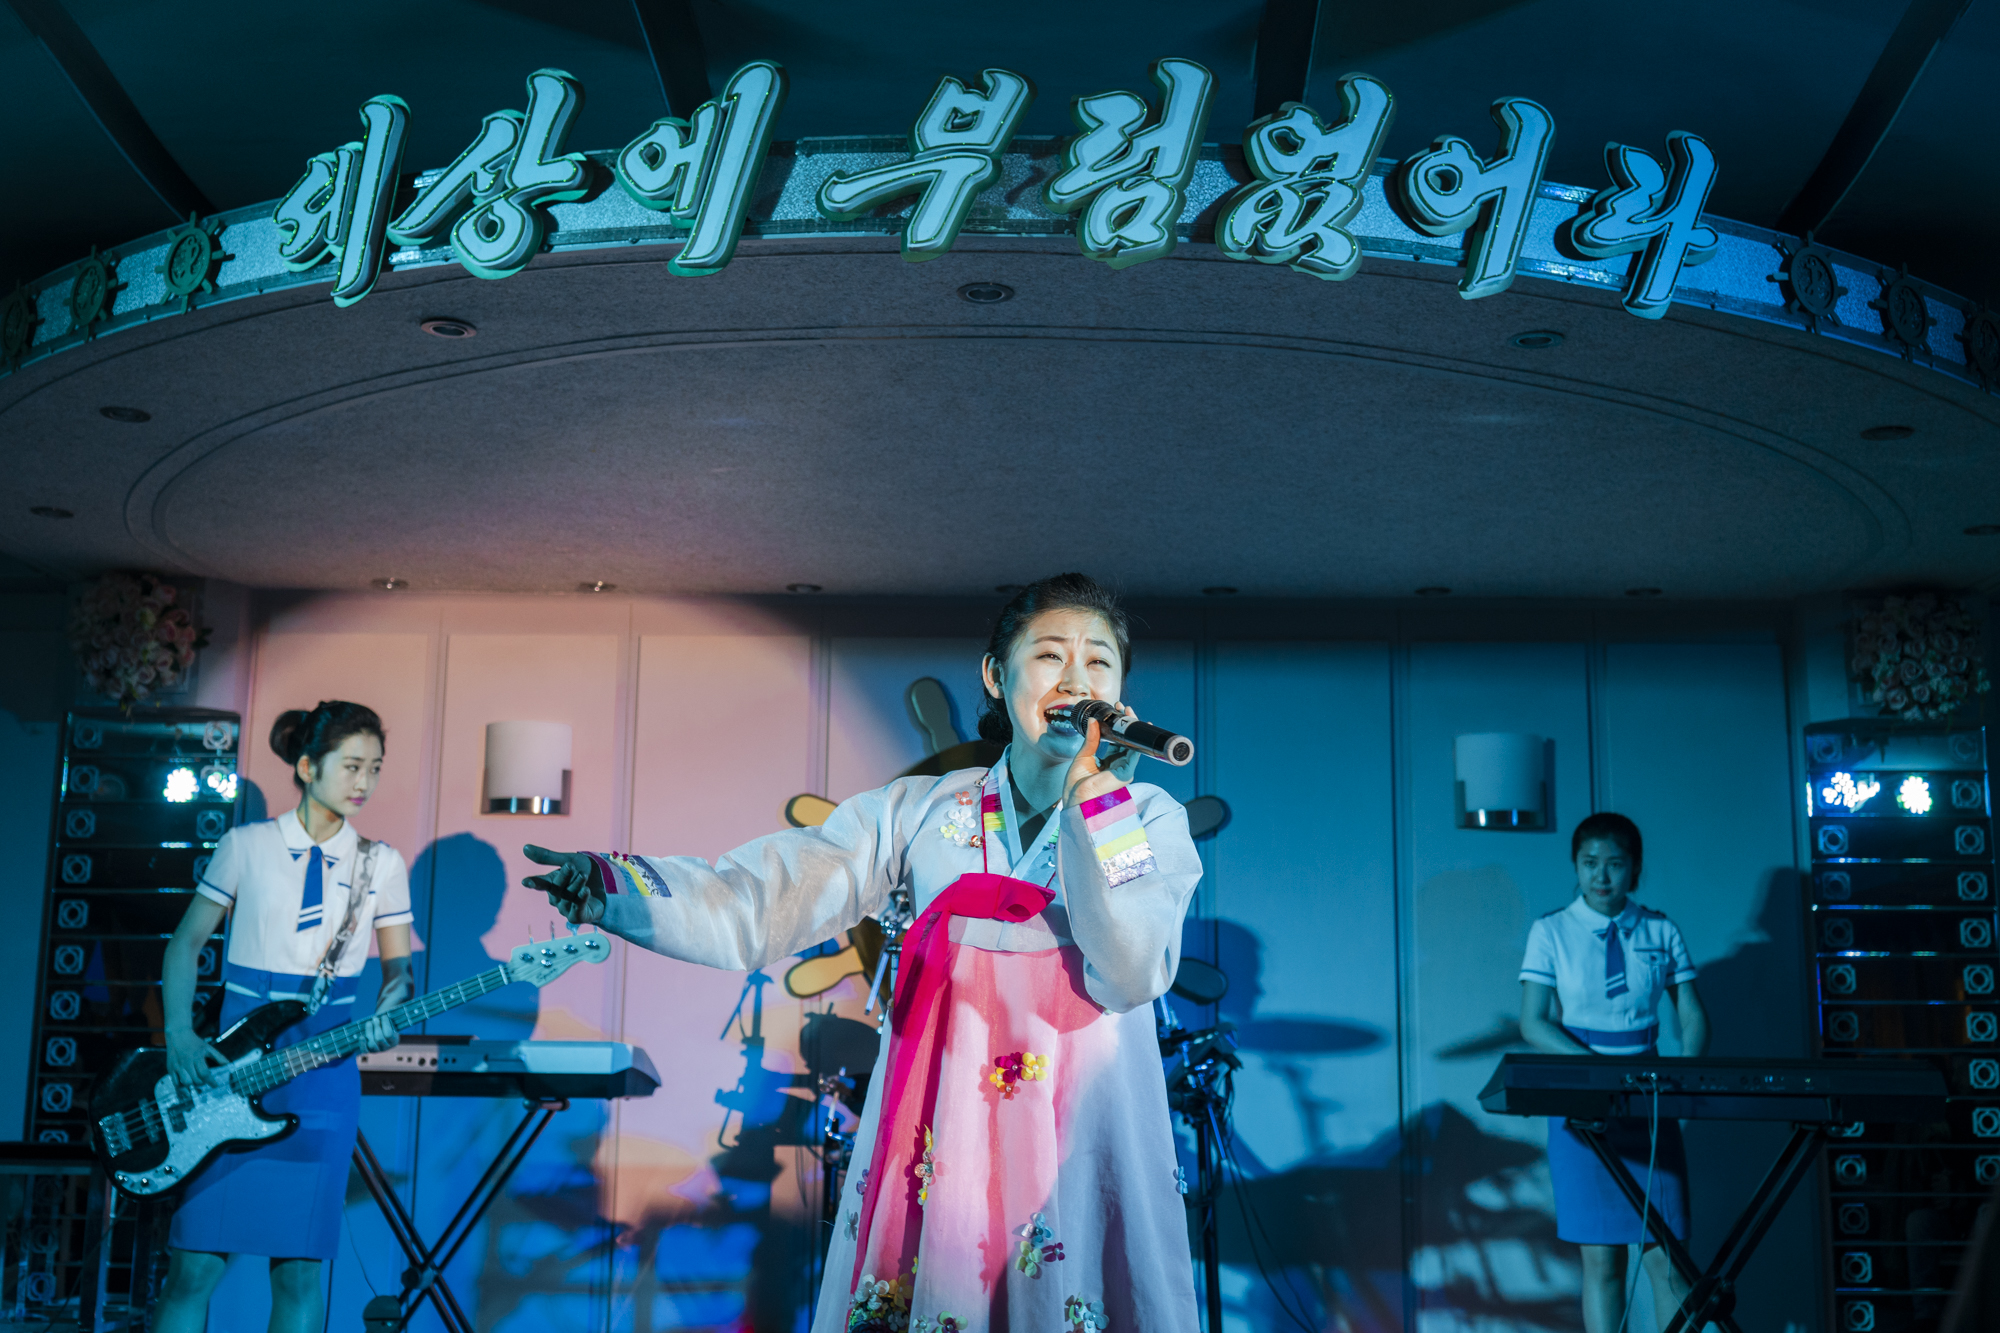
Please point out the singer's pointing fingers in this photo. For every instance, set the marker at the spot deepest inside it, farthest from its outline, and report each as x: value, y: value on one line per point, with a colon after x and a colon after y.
x: 543, y: 856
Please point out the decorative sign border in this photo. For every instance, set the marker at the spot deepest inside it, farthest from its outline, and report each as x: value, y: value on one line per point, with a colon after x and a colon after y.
x: 1129, y: 186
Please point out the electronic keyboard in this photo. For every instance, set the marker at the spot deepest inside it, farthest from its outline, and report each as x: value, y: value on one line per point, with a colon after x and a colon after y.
x: 1827, y: 1092
x: 448, y: 1066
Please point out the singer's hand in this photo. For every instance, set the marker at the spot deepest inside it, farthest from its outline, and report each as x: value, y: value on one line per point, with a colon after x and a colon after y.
x: 571, y: 886
x: 1087, y: 778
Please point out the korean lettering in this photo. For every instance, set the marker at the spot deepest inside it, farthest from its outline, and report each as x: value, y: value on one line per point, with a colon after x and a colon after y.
x: 1308, y: 183
x: 1653, y: 212
x: 1131, y: 183
x: 1449, y: 189
x: 494, y: 197
x: 703, y: 171
x: 341, y: 205
x: 955, y: 153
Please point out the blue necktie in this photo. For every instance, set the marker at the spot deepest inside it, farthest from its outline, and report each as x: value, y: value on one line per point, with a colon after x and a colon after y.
x: 1614, y: 963
x: 312, y: 905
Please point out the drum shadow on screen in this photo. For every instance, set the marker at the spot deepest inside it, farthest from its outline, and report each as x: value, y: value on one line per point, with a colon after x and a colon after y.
x: 1327, y: 1227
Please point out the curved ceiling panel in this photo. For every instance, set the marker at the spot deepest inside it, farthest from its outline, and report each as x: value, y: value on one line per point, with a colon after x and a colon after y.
x: 826, y: 413
x: 915, y: 464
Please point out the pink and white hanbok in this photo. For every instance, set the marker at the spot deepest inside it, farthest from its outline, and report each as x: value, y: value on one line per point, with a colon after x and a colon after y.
x: 1014, y: 1165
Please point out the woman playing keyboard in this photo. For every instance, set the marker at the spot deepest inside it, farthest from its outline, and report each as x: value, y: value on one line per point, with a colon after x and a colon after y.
x: 1591, y: 984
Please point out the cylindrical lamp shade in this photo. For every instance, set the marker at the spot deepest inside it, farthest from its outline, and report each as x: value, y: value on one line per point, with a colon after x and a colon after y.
x: 1502, y: 781
x: 526, y: 763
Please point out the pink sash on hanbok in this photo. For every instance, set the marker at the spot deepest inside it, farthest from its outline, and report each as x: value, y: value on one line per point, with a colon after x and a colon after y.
x: 917, y: 1027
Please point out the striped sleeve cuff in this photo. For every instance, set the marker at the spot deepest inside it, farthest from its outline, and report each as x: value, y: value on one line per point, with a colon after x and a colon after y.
x: 1545, y: 978
x: 1684, y: 976
x: 402, y: 918
x: 624, y: 873
x: 215, y: 895
x: 1119, y: 836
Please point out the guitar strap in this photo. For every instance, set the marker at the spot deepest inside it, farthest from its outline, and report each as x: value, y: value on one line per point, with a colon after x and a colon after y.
x: 337, y: 947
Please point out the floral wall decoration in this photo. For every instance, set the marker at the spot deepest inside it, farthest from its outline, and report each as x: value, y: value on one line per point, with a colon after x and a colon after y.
x: 132, y: 637
x: 1918, y: 657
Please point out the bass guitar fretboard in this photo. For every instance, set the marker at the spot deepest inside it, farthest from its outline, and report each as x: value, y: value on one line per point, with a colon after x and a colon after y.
x: 332, y: 1047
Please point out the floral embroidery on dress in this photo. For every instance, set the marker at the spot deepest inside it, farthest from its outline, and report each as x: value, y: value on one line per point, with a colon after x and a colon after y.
x: 1010, y: 1071
x: 1084, y: 1316
x: 961, y: 826
x: 925, y: 1171
x: 853, y: 1225
x: 1038, y: 1246
x: 861, y: 1185
x: 944, y: 1323
x: 880, y: 1307
x: 1180, y: 1180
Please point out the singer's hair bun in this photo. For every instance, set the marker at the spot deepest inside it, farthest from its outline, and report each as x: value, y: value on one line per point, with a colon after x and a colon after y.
x: 1062, y: 592
x: 315, y: 733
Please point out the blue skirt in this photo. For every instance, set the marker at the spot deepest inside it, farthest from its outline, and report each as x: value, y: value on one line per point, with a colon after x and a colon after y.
x: 282, y: 1199
x: 1591, y: 1209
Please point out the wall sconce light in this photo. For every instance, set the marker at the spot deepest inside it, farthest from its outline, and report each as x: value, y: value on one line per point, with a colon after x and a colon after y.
x: 1502, y: 781
x: 527, y: 768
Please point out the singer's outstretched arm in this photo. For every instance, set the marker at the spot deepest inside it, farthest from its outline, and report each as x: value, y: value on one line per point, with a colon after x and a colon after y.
x: 770, y: 898
x: 1126, y: 868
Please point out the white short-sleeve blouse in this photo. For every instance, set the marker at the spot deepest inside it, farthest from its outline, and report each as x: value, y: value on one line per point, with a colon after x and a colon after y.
x: 258, y: 871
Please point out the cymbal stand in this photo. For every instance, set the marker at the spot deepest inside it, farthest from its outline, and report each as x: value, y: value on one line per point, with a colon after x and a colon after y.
x: 836, y: 1147
x: 1201, y: 1088
x: 895, y: 919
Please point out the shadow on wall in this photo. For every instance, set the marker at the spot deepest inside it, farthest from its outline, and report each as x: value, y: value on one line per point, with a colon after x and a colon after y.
x: 457, y: 887
x: 1758, y: 999
x: 544, y: 1256
x: 1321, y: 1240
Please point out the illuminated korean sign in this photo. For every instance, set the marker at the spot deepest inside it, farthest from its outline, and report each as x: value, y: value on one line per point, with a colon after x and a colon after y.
x: 1123, y: 177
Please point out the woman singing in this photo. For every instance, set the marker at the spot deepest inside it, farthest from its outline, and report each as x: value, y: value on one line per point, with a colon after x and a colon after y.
x: 1019, y: 1165
x: 302, y: 891
x: 1591, y: 983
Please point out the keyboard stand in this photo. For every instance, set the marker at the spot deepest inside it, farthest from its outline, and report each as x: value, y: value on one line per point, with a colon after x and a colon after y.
x: 425, y: 1275
x: 1712, y: 1292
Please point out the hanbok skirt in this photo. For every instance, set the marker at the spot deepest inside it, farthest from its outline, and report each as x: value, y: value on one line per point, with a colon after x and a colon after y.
x: 1049, y: 1185
x: 284, y: 1198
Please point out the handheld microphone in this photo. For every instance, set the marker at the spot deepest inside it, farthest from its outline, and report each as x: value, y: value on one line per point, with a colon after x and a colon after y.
x: 1144, y: 737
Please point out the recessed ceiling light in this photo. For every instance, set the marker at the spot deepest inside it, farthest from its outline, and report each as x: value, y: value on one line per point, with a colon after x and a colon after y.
x: 1009, y: 589
x: 391, y: 585
x: 803, y: 587
x: 1434, y: 591
x: 1642, y: 592
x: 1888, y: 432
x: 50, y: 511
x: 596, y: 585
x: 449, y: 328
x: 1983, y: 530
x: 1536, y: 340
x: 1219, y: 590
x: 131, y: 416
x: 986, y: 293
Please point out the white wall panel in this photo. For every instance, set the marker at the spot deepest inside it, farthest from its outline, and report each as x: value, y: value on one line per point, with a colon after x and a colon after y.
x: 723, y: 742
x: 870, y: 737
x: 1484, y: 1226
x: 1696, y: 753
x: 1305, y: 926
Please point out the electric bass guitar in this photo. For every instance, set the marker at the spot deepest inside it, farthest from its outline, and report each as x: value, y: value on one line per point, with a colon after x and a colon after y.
x: 153, y: 1134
